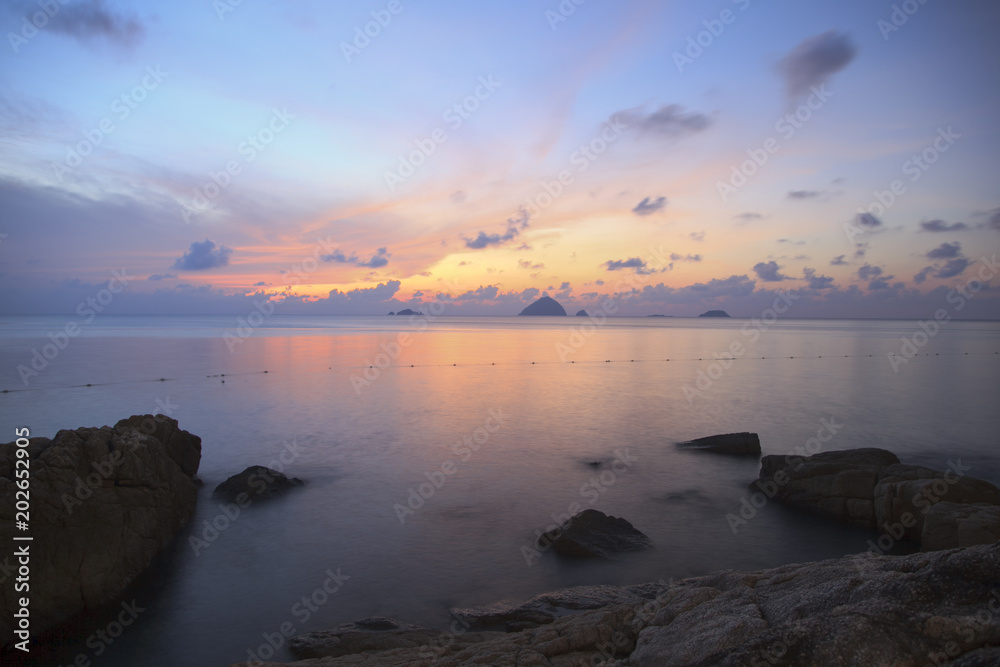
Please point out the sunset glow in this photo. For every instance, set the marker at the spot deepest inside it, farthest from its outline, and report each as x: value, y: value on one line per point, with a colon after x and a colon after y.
x: 366, y: 157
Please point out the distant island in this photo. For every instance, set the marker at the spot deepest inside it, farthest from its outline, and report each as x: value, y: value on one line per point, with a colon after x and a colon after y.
x: 714, y: 313
x: 407, y: 311
x: 544, y: 306
x: 582, y: 313
x: 666, y: 316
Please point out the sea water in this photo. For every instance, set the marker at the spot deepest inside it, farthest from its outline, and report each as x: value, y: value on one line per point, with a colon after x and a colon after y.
x: 436, y: 448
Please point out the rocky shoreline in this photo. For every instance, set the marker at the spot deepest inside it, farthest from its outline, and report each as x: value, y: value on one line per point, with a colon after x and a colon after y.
x: 940, y: 608
x: 106, y: 500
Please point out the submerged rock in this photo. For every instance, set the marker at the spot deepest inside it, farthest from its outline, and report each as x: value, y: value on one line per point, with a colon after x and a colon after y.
x: 727, y: 443
x: 256, y: 483
x: 594, y: 534
x: 104, y: 502
x: 872, y: 489
x: 937, y: 608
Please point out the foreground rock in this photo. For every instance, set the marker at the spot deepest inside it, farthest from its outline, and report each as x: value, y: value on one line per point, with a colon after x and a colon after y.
x: 728, y: 443
x: 941, y: 608
x: 872, y: 489
x: 593, y: 534
x: 373, y: 635
x: 255, y: 483
x: 104, y: 501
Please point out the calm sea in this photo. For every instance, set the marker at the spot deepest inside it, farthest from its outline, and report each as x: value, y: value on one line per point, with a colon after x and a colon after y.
x: 485, y: 430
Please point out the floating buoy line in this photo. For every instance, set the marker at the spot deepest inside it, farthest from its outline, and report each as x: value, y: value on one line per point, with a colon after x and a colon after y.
x: 386, y: 367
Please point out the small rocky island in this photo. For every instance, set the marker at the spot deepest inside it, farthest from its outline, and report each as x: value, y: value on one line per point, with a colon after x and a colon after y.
x: 545, y: 306
x: 714, y: 313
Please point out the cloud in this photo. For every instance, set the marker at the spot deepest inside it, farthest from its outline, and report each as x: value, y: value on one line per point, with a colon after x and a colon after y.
x: 630, y: 263
x: 817, y: 282
x: 868, y: 271
x: 838, y: 260
x: 697, y: 236
x: 994, y: 222
x: 946, y: 251
x: 670, y: 120
x: 815, y: 60
x: 805, y: 194
x: 161, y: 276
x: 880, y: 283
x: 650, y: 206
x: 527, y: 264
x: 791, y: 242
x: 378, y: 260
x: 748, y: 216
x: 684, y: 258
x: 860, y: 250
x: 769, y: 271
x: 942, y: 226
x: 203, y: 255
x: 922, y: 275
x: 514, y: 228
x: 952, y: 268
x: 85, y: 21
x: 867, y: 220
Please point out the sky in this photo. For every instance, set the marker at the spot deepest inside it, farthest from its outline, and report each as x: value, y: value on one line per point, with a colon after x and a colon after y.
x: 632, y: 158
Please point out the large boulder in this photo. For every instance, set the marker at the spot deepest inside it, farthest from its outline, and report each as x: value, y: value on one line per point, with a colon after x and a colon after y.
x: 948, y: 525
x: 839, y: 485
x: 935, y: 608
x: 255, y: 483
x: 727, y: 443
x: 104, y: 501
x: 872, y: 489
x: 904, y: 495
x: 593, y: 534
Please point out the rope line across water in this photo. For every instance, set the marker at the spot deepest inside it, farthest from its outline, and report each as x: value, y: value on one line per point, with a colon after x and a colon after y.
x: 502, y: 363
